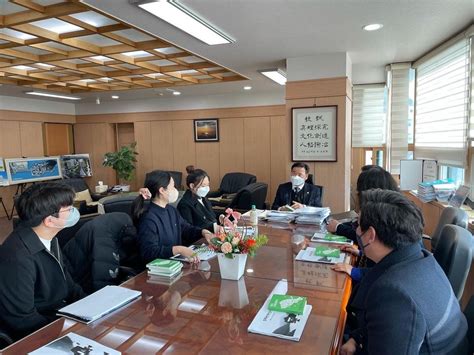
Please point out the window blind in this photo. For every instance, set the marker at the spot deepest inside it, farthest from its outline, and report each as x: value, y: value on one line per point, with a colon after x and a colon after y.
x: 441, y: 106
x: 368, y: 115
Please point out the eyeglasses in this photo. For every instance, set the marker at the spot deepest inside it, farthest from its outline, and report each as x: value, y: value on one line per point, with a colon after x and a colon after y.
x: 69, y: 209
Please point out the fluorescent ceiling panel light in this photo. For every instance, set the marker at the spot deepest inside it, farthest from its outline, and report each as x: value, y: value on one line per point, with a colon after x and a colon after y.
x: 182, y: 18
x: 137, y: 54
x: 277, y: 75
x: 101, y: 58
x: 37, y: 93
x: 247, y: 88
x: 115, y: 97
x: 23, y: 67
x: 372, y: 27
x: 176, y: 93
x: 47, y: 66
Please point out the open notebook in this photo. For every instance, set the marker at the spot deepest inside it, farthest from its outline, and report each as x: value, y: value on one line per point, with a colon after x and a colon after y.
x: 99, y: 304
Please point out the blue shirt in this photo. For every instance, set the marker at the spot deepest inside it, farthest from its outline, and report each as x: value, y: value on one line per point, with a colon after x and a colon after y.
x: 160, y: 229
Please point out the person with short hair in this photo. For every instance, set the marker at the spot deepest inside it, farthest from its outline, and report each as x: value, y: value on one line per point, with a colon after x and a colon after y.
x: 297, y: 193
x: 194, y: 207
x: 405, y: 304
x: 34, y: 282
x: 162, y: 232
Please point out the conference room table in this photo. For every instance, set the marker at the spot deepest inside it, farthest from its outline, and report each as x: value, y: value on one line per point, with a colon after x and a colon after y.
x: 202, y: 313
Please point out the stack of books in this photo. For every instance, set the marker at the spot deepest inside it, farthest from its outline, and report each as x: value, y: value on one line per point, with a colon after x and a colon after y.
x: 444, y: 191
x: 438, y: 189
x: 312, y: 215
x: 280, y: 216
x: 163, y: 271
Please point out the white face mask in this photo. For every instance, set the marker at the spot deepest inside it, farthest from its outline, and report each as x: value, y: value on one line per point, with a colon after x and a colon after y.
x: 71, y: 220
x: 202, y: 191
x: 297, y: 181
x: 173, y: 195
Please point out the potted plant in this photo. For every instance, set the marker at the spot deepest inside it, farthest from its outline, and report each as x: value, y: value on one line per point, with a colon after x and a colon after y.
x: 233, y: 244
x: 123, y: 162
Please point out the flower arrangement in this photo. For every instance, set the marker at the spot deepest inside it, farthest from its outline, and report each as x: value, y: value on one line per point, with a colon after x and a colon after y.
x: 234, y: 240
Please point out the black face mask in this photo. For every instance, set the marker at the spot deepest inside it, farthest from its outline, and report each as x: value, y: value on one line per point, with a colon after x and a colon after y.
x: 361, y: 244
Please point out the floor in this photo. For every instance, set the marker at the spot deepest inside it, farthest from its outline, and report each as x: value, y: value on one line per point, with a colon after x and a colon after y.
x: 5, y: 228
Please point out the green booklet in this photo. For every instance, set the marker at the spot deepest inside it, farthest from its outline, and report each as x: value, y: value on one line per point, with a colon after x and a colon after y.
x: 335, y: 238
x: 164, y: 264
x: 287, y: 304
x: 327, y: 251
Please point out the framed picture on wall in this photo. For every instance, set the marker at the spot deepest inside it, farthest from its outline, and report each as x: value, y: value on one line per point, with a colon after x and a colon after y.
x: 314, y: 133
x: 23, y: 170
x: 76, y: 166
x: 206, y: 130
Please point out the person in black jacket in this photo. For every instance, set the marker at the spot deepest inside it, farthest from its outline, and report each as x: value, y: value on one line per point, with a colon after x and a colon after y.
x: 194, y: 207
x: 162, y: 232
x: 297, y: 193
x: 34, y: 282
x: 405, y: 303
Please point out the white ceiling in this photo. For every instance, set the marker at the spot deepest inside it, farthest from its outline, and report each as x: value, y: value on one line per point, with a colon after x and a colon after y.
x: 269, y: 31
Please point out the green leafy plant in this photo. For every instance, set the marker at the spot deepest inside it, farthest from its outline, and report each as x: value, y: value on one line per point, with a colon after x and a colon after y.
x: 122, y: 161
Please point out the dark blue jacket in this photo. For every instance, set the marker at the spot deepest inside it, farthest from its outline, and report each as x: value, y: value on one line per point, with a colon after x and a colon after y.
x: 160, y: 229
x: 405, y: 305
x: 309, y: 195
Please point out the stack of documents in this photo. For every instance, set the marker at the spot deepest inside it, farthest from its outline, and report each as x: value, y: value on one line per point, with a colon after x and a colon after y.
x: 281, y: 216
x: 312, y: 215
x: 99, y: 304
x: 284, y: 324
x: 438, y: 189
x: 164, y: 271
x: 444, y: 191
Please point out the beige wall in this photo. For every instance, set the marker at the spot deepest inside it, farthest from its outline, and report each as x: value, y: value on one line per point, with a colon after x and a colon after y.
x: 21, y: 135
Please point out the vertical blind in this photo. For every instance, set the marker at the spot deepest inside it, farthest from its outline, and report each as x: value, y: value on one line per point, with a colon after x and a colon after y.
x: 399, y: 113
x: 441, y: 106
x: 368, y: 115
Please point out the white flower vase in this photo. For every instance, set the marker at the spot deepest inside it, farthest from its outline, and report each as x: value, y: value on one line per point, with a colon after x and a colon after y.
x: 232, y: 268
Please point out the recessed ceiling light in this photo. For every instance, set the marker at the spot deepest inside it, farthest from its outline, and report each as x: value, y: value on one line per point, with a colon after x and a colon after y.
x: 115, y: 97
x: 37, y: 93
x: 372, y: 27
x: 179, y: 16
x: 23, y: 67
x: 247, y: 88
x: 277, y: 75
x: 176, y: 93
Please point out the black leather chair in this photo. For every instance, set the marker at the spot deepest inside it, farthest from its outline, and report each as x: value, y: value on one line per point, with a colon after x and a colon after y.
x: 454, y: 255
x: 231, y: 183
x: 469, y: 313
x: 450, y: 215
x: 321, y: 193
x: 253, y: 194
x: 176, y: 175
x: 78, y: 185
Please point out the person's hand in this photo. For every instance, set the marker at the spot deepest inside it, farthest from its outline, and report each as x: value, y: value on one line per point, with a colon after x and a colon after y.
x: 221, y: 219
x: 332, y: 225
x: 349, y: 348
x: 187, y: 253
x: 208, y: 235
x: 297, y: 205
x: 350, y: 249
x: 146, y: 194
x: 342, y: 267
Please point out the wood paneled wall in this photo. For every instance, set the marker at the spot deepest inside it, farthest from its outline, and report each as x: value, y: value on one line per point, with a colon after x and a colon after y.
x: 21, y: 135
x: 252, y: 139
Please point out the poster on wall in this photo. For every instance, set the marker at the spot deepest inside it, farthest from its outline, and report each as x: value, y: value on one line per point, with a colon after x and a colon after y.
x: 24, y: 170
x: 3, y: 174
x: 314, y: 136
x: 76, y: 166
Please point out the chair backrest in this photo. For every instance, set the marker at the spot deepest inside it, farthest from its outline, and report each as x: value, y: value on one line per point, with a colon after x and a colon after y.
x: 469, y: 313
x: 176, y: 175
x: 120, y: 203
x: 77, y: 184
x: 454, y: 255
x: 321, y: 192
x: 253, y: 194
x: 310, y: 179
x: 450, y: 215
x: 233, y: 182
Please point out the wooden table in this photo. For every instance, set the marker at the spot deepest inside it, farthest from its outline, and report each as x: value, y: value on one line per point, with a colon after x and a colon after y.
x: 201, y: 313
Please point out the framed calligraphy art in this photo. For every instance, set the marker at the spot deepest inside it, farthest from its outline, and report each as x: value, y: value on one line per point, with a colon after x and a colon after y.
x: 314, y: 136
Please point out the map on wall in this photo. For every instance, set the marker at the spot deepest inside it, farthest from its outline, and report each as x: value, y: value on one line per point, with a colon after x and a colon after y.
x: 314, y: 133
x: 24, y: 170
x: 76, y: 166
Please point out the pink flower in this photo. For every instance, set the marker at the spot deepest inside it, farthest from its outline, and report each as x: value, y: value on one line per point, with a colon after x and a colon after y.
x: 235, y: 241
x: 226, y: 248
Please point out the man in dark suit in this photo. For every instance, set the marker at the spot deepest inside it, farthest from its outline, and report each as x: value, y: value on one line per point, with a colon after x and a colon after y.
x: 405, y: 303
x: 297, y: 193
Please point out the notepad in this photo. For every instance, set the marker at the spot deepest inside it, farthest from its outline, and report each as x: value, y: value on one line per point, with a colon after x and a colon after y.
x: 99, y: 304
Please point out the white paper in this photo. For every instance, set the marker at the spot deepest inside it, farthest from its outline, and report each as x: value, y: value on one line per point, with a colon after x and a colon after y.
x: 73, y: 343
x: 279, y: 324
x: 99, y: 304
x: 308, y: 255
x: 203, y: 254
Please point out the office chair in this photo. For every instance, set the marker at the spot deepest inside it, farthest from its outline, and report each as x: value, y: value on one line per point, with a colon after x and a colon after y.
x: 78, y: 185
x: 321, y: 193
x: 231, y: 183
x: 253, y: 194
x: 454, y: 254
x: 176, y: 175
x: 450, y: 215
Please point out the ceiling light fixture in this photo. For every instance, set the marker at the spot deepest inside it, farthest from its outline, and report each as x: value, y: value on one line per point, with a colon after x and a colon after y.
x: 372, y: 27
x: 176, y: 93
x: 277, y: 75
x: 115, y: 97
x: 179, y: 16
x: 247, y: 88
x: 37, y: 93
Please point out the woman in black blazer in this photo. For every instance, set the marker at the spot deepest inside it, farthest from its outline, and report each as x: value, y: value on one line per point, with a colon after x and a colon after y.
x: 194, y: 207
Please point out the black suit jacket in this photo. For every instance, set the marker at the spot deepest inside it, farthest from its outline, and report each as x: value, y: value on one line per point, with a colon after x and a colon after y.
x: 195, y: 213
x: 309, y: 195
x: 33, y: 283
